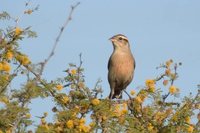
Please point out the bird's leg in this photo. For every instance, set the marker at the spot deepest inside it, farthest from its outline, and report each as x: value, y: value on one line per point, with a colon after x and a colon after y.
x: 112, y: 93
x: 119, y: 96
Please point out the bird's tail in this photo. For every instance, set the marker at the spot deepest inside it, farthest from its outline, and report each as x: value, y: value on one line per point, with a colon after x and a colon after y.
x: 117, y: 94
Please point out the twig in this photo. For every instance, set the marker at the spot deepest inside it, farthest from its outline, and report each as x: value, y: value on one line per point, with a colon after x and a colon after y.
x: 161, y: 77
x: 20, y: 16
x: 2, y: 89
x: 172, y: 82
x: 96, y: 88
x: 39, y: 79
x: 43, y: 64
x: 79, y: 67
x: 192, y: 102
x: 127, y: 94
x: 19, y: 117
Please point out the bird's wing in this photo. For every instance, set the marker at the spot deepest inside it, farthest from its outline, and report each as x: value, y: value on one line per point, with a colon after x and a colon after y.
x: 109, y: 63
x: 134, y: 63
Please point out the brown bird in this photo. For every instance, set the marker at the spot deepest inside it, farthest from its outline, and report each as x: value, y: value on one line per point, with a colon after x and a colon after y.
x: 121, y: 66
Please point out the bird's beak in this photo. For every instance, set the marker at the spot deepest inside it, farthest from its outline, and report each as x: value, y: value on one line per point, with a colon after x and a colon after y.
x: 111, y: 39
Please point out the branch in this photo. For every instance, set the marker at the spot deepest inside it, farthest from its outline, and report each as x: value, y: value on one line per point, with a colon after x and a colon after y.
x: 43, y: 64
x: 39, y: 79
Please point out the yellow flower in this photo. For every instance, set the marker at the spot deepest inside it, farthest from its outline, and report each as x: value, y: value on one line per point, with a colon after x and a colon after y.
x: 76, y: 109
x: 173, y: 76
x: 23, y: 59
x: 174, y: 118
x: 121, y: 120
x: 81, y: 84
x: 86, y: 129
x: 117, y: 113
x: 43, y: 121
x: 168, y: 111
x: 167, y: 72
x: 95, y: 101
x: 28, y: 116
x: 172, y: 89
x: 190, y: 129
x: 9, y: 130
x: 19, y: 58
x: 124, y: 111
x: 4, y: 100
x: 18, y: 31
x: 187, y: 119
x: 82, y: 121
x: 73, y: 86
x: 45, y: 114
x: 9, y: 55
x: 124, y: 105
x: 92, y: 124
x: 6, y: 77
x: 65, y: 99
x: 138, y: 99
x: 70, y: 124
x: 132, y: 92
x: 73, y: 71
x: 168, y: 63
x: 104, y: 118
x: 83, y: 128
x: 117, y: 106
x: 58, y: 129
x: 197, y: 106
x: 150, y: 84
x: 1, y: 66
x: 45, y: 127
x: 152, y: 89
x: 59, y: 87
x: 6, y: 67
x: 150, y: 127
x: 57, y: 123
x: 28, y: 12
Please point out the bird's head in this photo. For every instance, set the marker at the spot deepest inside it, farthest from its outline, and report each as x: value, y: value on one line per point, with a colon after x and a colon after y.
x: 120, y: 41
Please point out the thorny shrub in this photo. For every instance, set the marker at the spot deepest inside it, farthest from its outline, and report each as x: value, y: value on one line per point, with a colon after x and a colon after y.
x: 79, y: 108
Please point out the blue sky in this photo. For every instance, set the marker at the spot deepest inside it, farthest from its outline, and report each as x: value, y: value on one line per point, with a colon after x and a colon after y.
x: 157, y: 31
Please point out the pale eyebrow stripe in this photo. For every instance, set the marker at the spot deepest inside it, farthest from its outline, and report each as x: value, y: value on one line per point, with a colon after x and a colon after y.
x: 124, y: 38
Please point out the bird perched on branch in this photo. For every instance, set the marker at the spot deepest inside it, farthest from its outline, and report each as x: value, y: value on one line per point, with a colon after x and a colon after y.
x: 121, y: 66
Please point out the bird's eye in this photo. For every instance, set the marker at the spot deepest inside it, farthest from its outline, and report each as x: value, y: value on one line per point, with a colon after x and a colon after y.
x: 120, y: 38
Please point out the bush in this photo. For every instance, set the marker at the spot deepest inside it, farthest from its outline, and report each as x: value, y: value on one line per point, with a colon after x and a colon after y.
x: 83, y: 109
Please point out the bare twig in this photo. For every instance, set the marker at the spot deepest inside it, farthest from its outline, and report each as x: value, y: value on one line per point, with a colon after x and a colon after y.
x: 20, y: 16
x: 160, y: 77
x: 43, y: 64
x: 79, y: 67
x: 97, y: 88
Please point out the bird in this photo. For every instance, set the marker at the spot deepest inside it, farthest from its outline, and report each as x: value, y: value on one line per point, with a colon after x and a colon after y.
x: 121, y: 66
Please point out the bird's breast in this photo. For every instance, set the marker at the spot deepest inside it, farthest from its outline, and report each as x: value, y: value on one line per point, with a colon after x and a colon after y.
x: 122, y: 65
